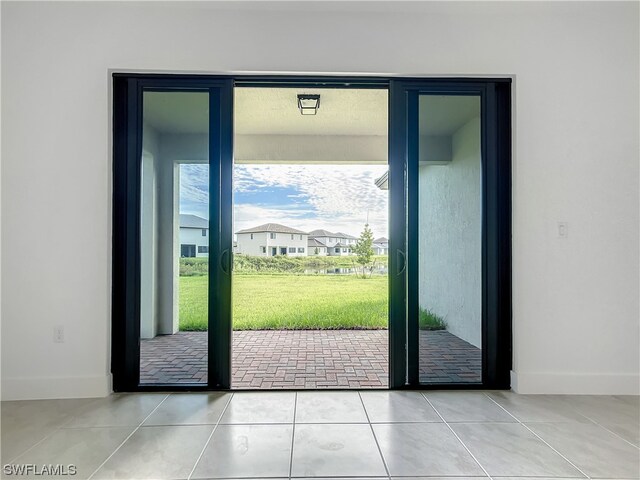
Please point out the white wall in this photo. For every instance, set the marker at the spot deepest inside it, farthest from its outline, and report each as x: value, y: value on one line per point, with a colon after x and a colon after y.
x: 148, y: 257
x: 149, y: 234
x: 450, y: 245
x: 193, y: 236
x: 312, y: 251
x: 249, y: 246
x: 323, y: 149
x: 575, y: 67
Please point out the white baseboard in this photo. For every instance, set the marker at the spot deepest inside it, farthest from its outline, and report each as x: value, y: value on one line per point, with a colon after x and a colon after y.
x: 34, y: 388
x: 575, y: 383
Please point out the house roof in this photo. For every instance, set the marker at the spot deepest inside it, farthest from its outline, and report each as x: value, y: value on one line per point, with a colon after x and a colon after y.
x: 327, y: 233
x: 321, y: 233
x: 340, y: 244
x: 272, y: 227
x: 193, y: 221
x: 345, y: 235
x: 315, y: 243
x: 381, y: 240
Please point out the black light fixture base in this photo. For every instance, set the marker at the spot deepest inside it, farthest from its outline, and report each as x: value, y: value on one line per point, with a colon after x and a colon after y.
x: 308, y: 104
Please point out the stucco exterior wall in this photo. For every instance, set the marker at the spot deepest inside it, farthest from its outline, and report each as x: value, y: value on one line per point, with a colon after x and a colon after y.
x: 193, y: 236
x: 149, y: 235
x: 449, y: 236
x: 249, y: 246
x: 322, y: 251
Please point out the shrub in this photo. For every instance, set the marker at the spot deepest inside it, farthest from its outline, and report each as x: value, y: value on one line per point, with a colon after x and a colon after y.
x: 194, y: 266
x: 197, y: 266
x: 430, y: 321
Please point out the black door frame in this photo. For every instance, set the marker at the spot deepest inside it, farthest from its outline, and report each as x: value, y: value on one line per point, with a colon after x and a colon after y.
x: 495, y: 99
x: 127, y: 149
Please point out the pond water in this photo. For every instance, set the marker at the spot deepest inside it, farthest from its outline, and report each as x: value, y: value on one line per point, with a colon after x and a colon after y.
x: 377, y: 270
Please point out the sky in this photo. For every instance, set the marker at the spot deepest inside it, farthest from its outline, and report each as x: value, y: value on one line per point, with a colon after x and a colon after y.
x: 338, y: 198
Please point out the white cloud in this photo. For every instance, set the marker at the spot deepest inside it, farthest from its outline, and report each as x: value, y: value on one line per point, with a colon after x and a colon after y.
x: 341, y: 196
x: 331, y: 197
x: 194, y: 183
x: 249, y: 215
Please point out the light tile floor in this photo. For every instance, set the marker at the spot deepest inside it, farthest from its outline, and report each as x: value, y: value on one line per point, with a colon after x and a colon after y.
x: 350, y: 434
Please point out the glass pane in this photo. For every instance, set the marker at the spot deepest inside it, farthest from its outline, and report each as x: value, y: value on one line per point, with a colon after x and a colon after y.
x: 450, y: 265
x: 174, y: 238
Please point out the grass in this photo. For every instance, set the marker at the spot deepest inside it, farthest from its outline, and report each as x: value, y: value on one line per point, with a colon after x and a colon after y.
x: 291, y: 302
x: 431, y: 321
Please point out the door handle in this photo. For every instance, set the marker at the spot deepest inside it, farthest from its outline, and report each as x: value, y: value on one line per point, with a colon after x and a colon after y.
x: 225, y: 261
x: 401, y: 259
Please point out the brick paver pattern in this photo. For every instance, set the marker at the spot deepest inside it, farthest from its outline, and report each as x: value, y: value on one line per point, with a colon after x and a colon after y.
x: 306, y: 359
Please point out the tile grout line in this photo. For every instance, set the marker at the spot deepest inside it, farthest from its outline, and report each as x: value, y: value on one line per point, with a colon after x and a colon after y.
x: 538, y: 436
x: 600, y: 425
x: 206, y: 444
x: 384, y: 461
x: 48, y: 435
x: 128, y: 437
x: 611, y: 431
x: 457, y: 436
x: 293, y: 433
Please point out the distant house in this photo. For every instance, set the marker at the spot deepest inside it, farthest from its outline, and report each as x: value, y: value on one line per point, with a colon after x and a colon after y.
x: 194, y: 236
x: 381, y: 246
x: 314, y: 247
x: 337, y: 244
x: 272, y: 239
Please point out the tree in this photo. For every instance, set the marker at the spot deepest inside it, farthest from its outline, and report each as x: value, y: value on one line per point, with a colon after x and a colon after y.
x: 364, y: 251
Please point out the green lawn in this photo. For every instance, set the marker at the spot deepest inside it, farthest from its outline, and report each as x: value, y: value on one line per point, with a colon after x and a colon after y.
x: 291, y: 302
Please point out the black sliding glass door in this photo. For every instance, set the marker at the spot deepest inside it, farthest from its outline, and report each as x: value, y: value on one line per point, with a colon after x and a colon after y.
x: 450, y: 195
x: 449, y: 251
x: 172, y: 203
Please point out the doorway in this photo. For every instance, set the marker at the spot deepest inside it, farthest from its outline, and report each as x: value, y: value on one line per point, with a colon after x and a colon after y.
x: 448, y: 267
x: 314, y: 316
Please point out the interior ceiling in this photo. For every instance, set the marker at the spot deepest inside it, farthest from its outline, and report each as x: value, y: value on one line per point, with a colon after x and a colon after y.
x: 445, y: 114
x: 274, y: 111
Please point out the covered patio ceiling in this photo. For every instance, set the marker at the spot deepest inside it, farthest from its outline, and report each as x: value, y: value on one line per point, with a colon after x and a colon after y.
x: 350, y: 126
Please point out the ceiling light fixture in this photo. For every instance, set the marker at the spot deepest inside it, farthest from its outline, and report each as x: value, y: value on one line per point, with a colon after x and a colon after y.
x: 308, y: 104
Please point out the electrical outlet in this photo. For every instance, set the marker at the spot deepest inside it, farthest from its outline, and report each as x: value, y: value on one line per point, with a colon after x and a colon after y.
x: 563, y: 229
x: 58, y: 334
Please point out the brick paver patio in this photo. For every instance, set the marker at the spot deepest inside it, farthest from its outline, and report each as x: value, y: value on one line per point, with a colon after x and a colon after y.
x: 445, y: 358
x: 276, y: 359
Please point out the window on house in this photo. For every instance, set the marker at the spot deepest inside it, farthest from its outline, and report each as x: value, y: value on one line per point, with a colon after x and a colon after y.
x: 300, y: 237
x: 263, y: 249
x: 292, y: 236
x: 272, y: 235
x: 337, y: 250
x: 292, y: 249
x: 202, y: 249
x: 300, y: 249
x: 204, y: 232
